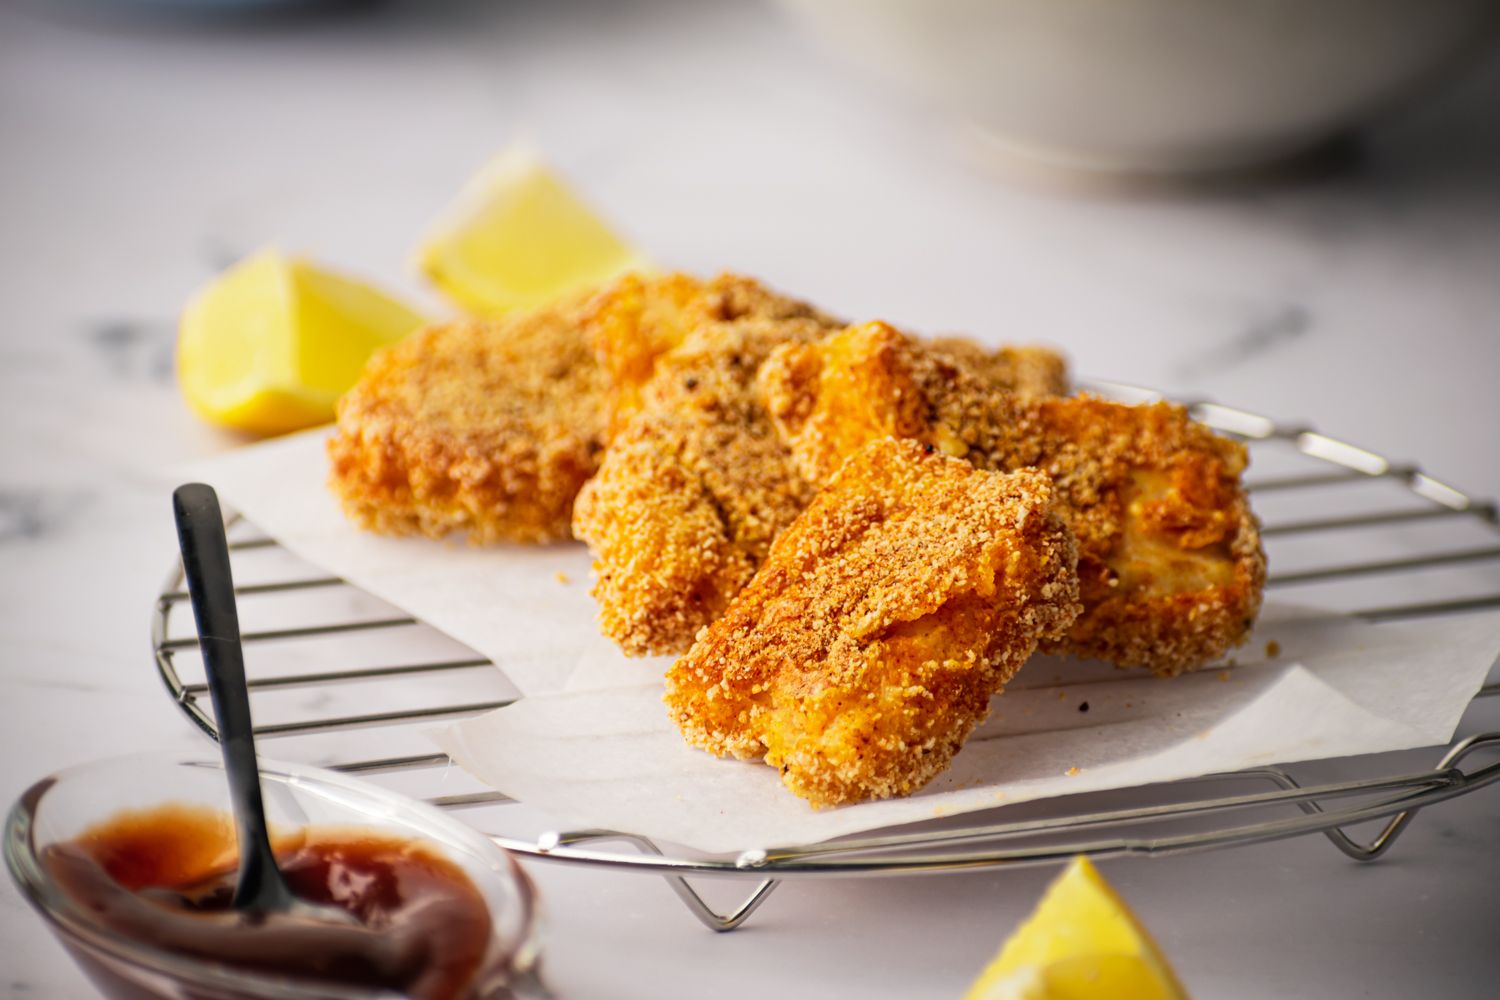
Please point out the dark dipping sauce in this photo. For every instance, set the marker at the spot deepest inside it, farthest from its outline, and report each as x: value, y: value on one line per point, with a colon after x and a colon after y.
x: 165, y: 877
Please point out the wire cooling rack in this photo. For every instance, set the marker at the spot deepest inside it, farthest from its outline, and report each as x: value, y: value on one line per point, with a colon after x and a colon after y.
x: 347, y: 679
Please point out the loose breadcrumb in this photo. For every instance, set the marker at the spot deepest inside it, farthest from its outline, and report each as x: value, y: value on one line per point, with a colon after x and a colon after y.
x: 869, y: 642
x: 1170, y: 563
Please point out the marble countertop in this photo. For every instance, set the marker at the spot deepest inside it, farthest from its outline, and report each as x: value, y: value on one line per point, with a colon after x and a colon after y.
x: 137, y: 161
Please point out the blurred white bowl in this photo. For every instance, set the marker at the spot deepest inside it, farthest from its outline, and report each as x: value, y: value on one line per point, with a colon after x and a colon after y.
x: 1158, y: 86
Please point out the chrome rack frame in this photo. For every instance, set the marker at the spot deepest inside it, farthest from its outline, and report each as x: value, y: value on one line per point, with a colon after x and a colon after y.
x: 1226, y: 818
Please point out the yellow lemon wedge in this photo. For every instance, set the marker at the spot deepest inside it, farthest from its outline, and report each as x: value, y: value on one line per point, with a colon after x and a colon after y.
x: 517, y: 237
x: 270, y: 345
x: 1081, y: 943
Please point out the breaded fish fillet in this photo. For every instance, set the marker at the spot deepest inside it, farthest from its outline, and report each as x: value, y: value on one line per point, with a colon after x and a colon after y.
x: 638, y: 318
x: 692, y: 490
x: 488, y: 427
x: 491, y: 427
x: 868, y: 644
x: 1169, y: 557
x: 696, y: 485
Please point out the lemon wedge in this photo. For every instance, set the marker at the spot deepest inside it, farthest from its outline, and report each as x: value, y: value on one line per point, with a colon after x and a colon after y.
x: 270, y: 345
x: 1081, y: 943
x: 517, y: 237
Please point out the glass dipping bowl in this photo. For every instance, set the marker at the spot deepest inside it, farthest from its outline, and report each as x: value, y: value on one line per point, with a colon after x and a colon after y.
x: 61, y: 806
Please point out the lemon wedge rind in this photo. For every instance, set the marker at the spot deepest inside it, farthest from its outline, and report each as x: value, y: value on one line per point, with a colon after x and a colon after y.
x: 1081, y: 943
x: 517, y: 236
x: 269, y: 345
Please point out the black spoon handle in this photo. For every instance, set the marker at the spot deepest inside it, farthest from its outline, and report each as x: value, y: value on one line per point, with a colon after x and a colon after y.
x: 205, y: 561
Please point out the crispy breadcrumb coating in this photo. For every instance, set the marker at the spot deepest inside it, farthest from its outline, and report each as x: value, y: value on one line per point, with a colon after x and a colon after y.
x: 1026, y: 369
x: 491, y: 427
x: 692, y: 490
x: 868, y: 644
x: 1170, y: 563
x: 639, y: 318
x: 487, y: 427
x: 696, y: 485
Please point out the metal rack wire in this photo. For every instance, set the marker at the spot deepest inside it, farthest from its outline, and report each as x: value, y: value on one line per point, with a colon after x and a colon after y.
x: 1344, y: 525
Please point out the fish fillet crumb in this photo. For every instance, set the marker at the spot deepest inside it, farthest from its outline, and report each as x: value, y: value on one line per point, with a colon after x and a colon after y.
x: 869, y: 642
x: 697, y: 484
x: 1027, y: 369
x: 692, y: 490
x: 1170, y: 563
x: 483, y: 427
x: 491, y: 427
x: 639, y: 318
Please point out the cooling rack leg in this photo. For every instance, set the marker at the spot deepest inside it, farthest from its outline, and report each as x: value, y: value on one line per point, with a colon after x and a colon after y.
x: 1340, y: 839
x: 1399, y: 822
x: 712, y: 919
x: 707, y: 915
x: 1376, y: 847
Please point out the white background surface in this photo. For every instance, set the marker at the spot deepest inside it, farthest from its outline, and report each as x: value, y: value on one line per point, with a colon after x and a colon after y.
x: 134, y: 162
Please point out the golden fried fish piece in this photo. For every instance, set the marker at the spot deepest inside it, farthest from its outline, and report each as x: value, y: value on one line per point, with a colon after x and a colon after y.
x: 488, y: 427
x: 1169, y: 557
x: 870, y: 641
x: 692, y: 490
x: 639, y: 318
x: 696, y: 484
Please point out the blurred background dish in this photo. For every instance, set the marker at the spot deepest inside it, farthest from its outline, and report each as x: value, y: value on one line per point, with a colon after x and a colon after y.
x: 1158, y: 86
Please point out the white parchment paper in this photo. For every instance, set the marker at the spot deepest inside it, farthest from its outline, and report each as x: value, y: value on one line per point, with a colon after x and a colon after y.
x: 526, y: 607
x: 591, y: 744
x: 607, y: 756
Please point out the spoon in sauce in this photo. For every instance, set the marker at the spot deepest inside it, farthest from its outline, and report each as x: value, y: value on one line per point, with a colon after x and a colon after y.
x: 260, y: 888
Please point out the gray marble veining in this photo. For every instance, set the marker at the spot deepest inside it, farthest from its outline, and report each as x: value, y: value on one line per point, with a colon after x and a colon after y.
x: 32, y: 514
x: 134, y: 348
x: 1263, y: 335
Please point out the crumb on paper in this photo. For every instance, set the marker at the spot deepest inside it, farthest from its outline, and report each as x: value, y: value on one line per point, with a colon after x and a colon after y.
x: 562, y: 578
x: 1083, y: 706
x: 1062, y: 696
x: 1273, y: 649
x: 1223, y: 675
x: 1071, y: 772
